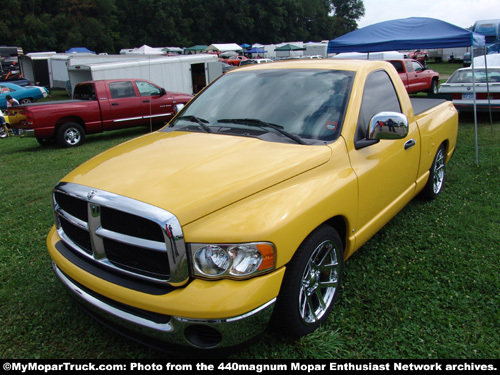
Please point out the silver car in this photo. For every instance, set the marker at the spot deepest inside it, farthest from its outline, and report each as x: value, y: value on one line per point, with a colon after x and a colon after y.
x: 460, y: 89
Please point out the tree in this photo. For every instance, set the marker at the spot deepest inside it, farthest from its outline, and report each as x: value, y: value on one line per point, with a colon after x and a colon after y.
x: 110, y: 25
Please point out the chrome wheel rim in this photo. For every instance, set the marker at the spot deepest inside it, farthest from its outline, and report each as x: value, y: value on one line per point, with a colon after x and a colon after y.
x: 438, y: 172
x: 319, y: 283
x: 72, y: 136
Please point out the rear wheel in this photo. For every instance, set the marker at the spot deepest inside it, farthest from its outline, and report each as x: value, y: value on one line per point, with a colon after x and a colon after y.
x: 436, y: 175
x: 311, y: 283
x: 70, y: 134
x: 26, y: 101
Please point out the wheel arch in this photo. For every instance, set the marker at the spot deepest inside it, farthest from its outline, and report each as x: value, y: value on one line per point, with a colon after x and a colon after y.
x: 65, y: 120
x: 339, y: 223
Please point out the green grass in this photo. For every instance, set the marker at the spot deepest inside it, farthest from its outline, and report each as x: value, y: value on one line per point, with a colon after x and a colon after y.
x: 445, y: 68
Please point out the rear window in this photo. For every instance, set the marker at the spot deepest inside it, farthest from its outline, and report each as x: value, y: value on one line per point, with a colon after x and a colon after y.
x: 84, y: 92
x: 480, y: 75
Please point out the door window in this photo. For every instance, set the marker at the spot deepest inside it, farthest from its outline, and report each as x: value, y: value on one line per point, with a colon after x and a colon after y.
x: 379, y: 96
x: 417, y: 66
x: 123, y: 89
x: 147, y: 89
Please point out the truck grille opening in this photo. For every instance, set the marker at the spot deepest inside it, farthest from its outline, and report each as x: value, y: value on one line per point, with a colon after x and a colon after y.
x: 79, y: 236
x: 135, y: 226
x: 149, y: 263
x: 114, y: 236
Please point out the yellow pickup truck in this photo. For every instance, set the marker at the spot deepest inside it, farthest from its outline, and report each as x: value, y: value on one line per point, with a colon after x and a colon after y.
x: 240, y: 212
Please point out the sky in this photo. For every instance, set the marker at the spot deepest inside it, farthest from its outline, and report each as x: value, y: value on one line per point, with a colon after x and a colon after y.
x: 462, y: 13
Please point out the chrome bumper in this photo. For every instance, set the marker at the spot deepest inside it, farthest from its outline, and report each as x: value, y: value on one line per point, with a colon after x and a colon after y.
x: 173, y: 330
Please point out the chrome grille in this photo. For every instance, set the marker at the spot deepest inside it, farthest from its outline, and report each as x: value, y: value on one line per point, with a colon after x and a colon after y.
x: 123, y: 234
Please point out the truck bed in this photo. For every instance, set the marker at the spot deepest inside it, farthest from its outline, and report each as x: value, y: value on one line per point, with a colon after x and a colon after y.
x: 55, y: 102
x: 421, y: 105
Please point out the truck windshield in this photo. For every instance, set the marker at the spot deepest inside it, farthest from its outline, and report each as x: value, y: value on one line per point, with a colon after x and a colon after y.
x: 304, y: 106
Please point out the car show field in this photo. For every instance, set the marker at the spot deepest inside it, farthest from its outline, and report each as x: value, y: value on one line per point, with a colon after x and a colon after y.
x: 434, y: 296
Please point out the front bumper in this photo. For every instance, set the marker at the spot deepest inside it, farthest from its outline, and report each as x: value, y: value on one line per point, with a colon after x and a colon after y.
x: 171, y: 330
x: 201, y: 315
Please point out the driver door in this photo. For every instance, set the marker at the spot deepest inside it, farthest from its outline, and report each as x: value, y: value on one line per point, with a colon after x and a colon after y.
x: 386, y: 170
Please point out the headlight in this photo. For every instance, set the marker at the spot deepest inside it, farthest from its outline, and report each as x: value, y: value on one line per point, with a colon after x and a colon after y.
x: 232, y: 260
x: 178, y: 107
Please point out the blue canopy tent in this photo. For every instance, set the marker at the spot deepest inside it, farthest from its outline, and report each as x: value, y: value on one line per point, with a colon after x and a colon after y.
x: 408, y: 33
x: 255, y: 50
x: 79, y: 50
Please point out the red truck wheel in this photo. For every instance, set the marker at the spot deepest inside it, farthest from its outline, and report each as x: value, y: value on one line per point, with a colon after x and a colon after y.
x: 70, y: 134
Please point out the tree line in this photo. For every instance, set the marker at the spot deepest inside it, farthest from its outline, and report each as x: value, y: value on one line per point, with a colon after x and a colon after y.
x: 110, y: 25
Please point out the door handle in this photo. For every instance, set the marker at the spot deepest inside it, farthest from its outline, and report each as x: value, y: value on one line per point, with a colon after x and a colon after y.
x: 146, y: 101
x: 115, y: 104
x: 409, y: 144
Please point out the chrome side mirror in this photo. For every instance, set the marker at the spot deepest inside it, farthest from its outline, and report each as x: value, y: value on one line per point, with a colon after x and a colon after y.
x: 388, y: 125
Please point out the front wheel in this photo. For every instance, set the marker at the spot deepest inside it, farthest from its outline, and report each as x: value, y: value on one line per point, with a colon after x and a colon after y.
x: 434, y: 87
x: 311, y: 283
x: 436, y: 175
x: 70, y: 134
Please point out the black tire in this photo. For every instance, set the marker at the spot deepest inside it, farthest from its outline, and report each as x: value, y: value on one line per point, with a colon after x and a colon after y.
x: 3, y: 132
x: 70, y: 134
x: 311, y: 283
x: 434, y: 87
x: 436, y: 175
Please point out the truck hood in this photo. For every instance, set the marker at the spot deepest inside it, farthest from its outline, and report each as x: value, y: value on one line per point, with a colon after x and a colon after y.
x: 194, y: 174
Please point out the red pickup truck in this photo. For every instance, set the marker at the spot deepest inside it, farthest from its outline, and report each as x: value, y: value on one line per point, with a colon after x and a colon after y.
x: 416, y: 77
x: 99, y: 106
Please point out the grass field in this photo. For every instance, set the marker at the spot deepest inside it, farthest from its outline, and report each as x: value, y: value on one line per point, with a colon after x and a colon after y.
x: 426, y: 286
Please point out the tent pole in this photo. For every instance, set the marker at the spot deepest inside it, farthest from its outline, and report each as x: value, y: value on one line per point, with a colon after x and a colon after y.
x: 488, y: 86
x: 475, y: 104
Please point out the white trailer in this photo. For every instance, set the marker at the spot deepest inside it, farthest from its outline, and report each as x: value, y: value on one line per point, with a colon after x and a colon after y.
x: 34, y: 67
x: 59, y: 64
x: 319, y: 49
x: 187, y: 74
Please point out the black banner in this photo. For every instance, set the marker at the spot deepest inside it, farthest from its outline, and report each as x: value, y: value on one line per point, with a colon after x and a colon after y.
x: 229, y: 366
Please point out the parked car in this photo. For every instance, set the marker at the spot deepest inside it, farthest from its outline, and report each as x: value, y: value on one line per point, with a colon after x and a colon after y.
x: 24, y: 95
x: 459, y: 87
x: 417, y: 54
x: 416, y: 77
x: 234, y: 60
x: 254, y: 61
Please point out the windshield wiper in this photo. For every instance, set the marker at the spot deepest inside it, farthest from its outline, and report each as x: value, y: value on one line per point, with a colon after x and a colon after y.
x: 201, y: 122
x: 262, y: 124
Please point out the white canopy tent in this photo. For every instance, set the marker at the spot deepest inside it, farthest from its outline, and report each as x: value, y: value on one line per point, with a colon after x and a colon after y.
x: 224, y: 48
